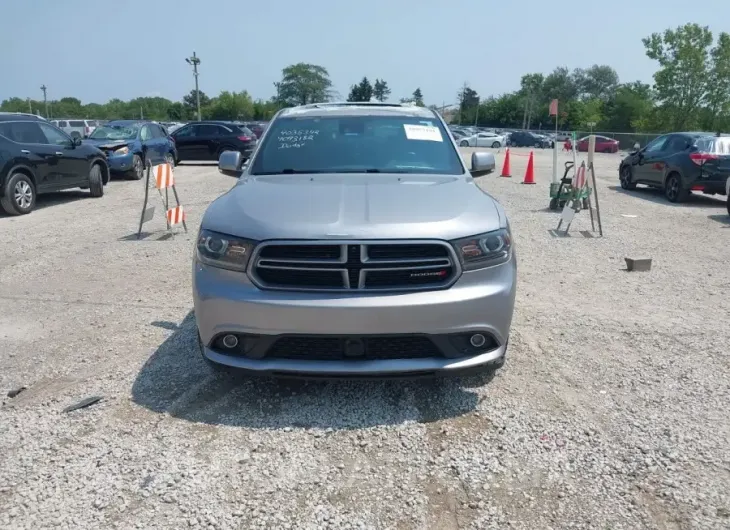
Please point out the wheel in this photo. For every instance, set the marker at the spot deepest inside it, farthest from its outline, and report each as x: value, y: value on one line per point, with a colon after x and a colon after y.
x: 538, y: 145
x: 553, y: 203
x: 496, y: 145
x: 673, y: 189
x: 170, y: 159
x: 19, y: 196
x: 586, y: 204
x: 96, y: 181
x: 625, y: 177
x: 464, y: 143
x: 728, y: 204
x: 137, y: 171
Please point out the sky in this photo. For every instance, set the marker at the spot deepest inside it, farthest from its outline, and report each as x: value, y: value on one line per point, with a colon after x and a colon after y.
x: 99, y: 50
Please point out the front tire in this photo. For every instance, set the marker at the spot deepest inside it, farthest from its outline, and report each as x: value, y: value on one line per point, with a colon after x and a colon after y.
x: 464, y: 143
x: 496, y: 145
x: 19, y: 195
x: 673, y: 189
x: 137, y: 171
x: 625, y: 177
x: 96, y: 181
x: 170, y: 159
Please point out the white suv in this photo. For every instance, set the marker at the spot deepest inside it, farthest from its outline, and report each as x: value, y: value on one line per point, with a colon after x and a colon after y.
x: 76, y: 128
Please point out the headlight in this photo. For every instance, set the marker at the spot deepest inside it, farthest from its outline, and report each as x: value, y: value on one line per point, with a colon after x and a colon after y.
x: 122, y: 150
x: 484, y: 250
x: 225, y: 252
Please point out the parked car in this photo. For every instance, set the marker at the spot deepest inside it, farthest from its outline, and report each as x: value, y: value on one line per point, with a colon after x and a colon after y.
x: 604, y: 144
x: 299, y: 271
x: 130, y: 144
x: 36, y: 157
x: 75, y: 128
x: 458, y: 135
x: 680, y: 163
x: 482, y: 139
x: 206, y: 140
x: 257, y: 128
x: 528, y: 139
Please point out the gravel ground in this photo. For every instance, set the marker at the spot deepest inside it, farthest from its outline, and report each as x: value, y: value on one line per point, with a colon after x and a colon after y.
x: 611, y: 412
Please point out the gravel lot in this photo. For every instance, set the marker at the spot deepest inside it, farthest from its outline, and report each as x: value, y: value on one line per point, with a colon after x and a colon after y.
x: 611, y: 412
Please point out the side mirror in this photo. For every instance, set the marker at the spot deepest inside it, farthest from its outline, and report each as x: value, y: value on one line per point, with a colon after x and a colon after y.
x: 76, y: 141
x: 482, y: 164
x: 231, y: 163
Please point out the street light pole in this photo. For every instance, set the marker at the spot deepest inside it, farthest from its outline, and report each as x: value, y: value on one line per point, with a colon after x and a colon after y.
x: 45, y: 99
x: 195, y: 61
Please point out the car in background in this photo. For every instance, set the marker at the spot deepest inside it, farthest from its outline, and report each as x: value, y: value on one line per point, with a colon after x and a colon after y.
x: 528, y: 139
x: 604, y: 144
x: 482, y: 139
x: 206, y: 140
x: 680, y: 163
x: 298, y: 272
x: 75, y: 128
x: 36, y: 157
x: 256, y: 127
x: 130, y: 144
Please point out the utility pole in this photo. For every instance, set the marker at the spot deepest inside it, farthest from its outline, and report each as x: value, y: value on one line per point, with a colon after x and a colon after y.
x: 30, y: 107
x: 45, y: 99
x: 195, y: 61
x: 476, y: 118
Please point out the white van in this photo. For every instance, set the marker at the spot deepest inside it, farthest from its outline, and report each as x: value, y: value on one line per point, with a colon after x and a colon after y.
x: 75, y: 128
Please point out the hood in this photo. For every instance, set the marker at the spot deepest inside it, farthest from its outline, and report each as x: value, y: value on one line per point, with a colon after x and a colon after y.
x: 354, y: 206
x: 105, y: 143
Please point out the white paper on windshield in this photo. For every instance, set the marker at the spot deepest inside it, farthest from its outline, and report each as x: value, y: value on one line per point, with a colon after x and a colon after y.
x: 422, y: 132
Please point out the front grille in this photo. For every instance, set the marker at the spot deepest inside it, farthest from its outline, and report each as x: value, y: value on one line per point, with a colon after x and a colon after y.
x: 360, y: 265
x: 353, y: 348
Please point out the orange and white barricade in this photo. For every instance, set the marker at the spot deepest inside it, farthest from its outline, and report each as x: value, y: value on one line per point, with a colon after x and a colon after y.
x: 164, y: 180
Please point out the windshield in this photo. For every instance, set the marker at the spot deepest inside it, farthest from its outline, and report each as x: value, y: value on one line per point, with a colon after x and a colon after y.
x: 115, y: 132
x: 357, y: 144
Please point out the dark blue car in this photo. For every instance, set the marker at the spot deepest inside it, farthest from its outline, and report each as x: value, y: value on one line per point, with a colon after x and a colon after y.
x: 129, y: 144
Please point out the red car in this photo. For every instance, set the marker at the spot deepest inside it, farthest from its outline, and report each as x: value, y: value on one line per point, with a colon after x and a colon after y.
x: 603, y: 145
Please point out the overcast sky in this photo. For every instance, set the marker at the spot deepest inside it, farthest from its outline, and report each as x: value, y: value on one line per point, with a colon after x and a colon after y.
x: 98, y: 50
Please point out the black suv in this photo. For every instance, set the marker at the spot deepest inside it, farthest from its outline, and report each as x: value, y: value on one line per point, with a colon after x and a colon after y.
x: 528, y: 139
x: 680, y: 163
x: 206, y: 140
x: 36, y: 158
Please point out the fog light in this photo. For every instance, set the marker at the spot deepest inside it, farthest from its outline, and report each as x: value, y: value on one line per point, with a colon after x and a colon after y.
x: 477, y: 340
x: 230, y: 341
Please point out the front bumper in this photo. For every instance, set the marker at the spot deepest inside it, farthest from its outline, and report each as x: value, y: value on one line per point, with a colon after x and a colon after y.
x: 120, y: 163
x: 479, y: 302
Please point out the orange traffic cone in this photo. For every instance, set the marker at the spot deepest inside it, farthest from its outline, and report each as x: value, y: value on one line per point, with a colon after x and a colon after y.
x: 505, y: 168
x: 530, y: 173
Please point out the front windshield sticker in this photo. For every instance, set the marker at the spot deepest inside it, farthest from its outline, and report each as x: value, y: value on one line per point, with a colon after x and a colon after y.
x: 422, y: 132
x: 296, y: 138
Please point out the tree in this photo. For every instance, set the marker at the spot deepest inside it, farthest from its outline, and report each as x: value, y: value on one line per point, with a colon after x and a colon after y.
x: 191, y: 105
x: 304, y: 83
x: 381, y: 90
x: 682, y: 81
x: 597, y: 82
x: 718, y: 96
x: 418, y: 97
x: 363, y: 91
x: 468, y: 104
x: 231, y: 105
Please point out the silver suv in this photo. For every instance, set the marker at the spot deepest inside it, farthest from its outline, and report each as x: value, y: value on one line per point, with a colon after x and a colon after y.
x: 355, y: 244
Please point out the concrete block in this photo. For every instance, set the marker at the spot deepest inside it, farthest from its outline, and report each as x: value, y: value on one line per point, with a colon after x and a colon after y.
x: 638, y: 264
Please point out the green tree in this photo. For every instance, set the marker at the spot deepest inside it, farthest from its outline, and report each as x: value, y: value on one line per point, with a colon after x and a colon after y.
x: 630, y: 106
x: 598, y: 81
x: 717, y: 115
x: 682, y: 81
x: 303, y: 83
x: 363, y: 91
x: 381, y: 90
x: 418, y: 97
x: 231, y: 106
x: 191, y: 104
